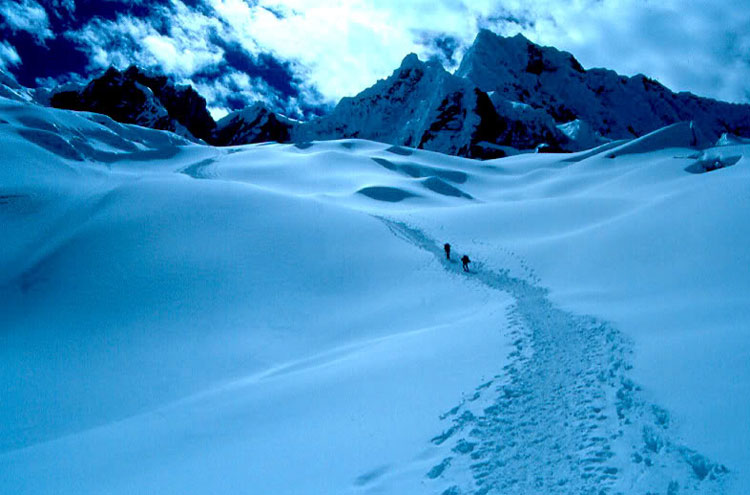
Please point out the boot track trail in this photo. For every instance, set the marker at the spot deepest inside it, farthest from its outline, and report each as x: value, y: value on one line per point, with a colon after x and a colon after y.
x: 562, y: 417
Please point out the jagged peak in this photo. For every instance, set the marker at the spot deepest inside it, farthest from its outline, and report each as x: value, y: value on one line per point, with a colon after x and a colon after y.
x: 490, y: 49
x: 134, y: 71
x: 410, y: 61
x: 520, y: 37
x: 247, y: 113
x: 153, y: 78
x: 257, y: 110
x: 485, y: 37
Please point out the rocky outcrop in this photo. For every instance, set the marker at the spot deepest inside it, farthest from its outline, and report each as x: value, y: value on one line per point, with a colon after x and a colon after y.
x: 255, y: 124
x: 134, y: 97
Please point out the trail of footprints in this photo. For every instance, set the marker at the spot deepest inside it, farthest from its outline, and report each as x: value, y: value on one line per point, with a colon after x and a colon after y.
x: 563, y: 417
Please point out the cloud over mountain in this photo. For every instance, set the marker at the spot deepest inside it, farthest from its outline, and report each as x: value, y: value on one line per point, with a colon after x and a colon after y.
x: 300, y: 56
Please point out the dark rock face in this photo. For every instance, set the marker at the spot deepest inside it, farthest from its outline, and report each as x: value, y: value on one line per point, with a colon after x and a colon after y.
x: 256, y: 124
x: 182, y: 103
x: 113, y: 95
x: 133, y: 97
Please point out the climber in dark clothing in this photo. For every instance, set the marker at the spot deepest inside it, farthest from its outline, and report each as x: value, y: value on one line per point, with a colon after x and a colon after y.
x: 447, y: 248
x: 465, y: 260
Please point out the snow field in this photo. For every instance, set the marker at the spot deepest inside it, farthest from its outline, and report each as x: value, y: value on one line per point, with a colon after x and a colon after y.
x: 184, y: 318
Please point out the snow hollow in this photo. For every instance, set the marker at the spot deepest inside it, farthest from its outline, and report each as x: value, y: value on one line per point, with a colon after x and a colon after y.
x: 178, y: 318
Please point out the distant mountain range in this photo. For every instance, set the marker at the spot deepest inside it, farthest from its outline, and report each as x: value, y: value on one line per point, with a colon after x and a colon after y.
x: 508, y: 93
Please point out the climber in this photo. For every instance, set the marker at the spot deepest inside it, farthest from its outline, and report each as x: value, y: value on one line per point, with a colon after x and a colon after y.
x: 447, y: 248
x: 465, y: 260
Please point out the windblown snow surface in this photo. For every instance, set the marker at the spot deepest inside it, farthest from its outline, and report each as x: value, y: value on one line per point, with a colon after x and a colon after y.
x: 281, y: 319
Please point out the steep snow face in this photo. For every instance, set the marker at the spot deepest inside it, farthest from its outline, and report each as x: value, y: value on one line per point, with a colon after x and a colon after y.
x: 423, y: 106
x: 581, y: 133
x: 9, y: 88
x: 614, y: 105
x: 420, y: 105
x: 178, y: 318
x: 134, y: 97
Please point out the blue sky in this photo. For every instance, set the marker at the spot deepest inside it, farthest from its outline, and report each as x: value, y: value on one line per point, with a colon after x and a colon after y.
x: 302, y: 55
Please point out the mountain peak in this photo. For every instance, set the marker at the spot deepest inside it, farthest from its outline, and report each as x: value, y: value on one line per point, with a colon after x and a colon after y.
x: 489, y: 40
x: 486, y: 36
x: 253, y: 124
x: 507, y: 91
x: 483, y: 36
x: 492, y: 54
x: 618, y: 107
x: 135, y: 96
x: 411, y: 61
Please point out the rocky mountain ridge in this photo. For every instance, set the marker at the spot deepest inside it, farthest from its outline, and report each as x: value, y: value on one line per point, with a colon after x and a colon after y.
x: 508, y: 93
x: 615, y: 106
x: 135, y: 97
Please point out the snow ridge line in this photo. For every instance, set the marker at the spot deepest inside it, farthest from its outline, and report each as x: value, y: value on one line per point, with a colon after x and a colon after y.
x: 563, y: 417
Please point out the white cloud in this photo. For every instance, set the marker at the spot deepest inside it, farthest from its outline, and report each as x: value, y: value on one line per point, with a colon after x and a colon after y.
x: 338, y: 47
x: 348, y: 45
x: 61, y: 7
x: 238, y: 86
x: 344, y: 45
x: 182, y: 51
x: 701, y: 46
x: 8, y: 56
x: 26, y: 15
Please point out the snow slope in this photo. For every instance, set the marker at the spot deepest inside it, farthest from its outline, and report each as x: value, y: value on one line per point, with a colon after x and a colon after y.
x: 177, y: 318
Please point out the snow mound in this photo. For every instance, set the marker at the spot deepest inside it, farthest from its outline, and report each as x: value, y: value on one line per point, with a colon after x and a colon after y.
x: 680, y: 135
x: 583, y: 155
x: 91, y: 137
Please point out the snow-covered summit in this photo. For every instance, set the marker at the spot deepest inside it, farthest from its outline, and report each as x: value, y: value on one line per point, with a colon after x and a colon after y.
x: 507, y: 92
x: 9, y: 88
x: 420, y: 105
x: 493, y: 59
x: 540, y: 96
x: 615, y: 106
